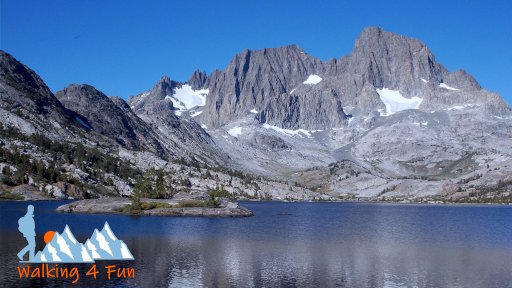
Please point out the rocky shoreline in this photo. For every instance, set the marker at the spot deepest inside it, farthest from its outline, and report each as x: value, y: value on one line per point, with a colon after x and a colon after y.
x: 114, y: 205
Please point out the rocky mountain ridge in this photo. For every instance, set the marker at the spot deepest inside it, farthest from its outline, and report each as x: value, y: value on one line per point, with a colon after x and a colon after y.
x: 29, y: 105
x: 274, y: 82
x: 102, y: 114
x: 385, y: 121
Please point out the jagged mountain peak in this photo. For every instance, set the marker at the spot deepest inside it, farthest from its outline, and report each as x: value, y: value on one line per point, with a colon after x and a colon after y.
x: 164, y: 80
x: 197, y: 80
x: 291, y: 48
x: 282, y: 59
x: 285, y: 53
x: 165, y: 86
x: 255, y: 78
x: 390, y: 60
x: 271, y: 79
x: 161, y: 108
x: 386, y: 59
x: 377, y: 36
x: 388, y: 108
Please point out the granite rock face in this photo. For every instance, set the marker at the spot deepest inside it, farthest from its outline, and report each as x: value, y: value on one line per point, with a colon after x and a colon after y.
x: 197, y: 80
x: 184, y: 137
x: 304, y: 110
x: 380, y: 122
x: 99, y: 113
x: 274, y: 83
x: 388, y: 60
x: 28, y: 104
x: 261, y: 80
x: 109, y: 116
x: 153, y: 100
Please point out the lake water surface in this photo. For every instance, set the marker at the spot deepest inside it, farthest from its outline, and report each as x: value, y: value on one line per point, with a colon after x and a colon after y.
x: 290, y: 244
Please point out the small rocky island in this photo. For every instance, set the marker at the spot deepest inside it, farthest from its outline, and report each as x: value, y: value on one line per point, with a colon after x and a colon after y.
x: 157, y: 207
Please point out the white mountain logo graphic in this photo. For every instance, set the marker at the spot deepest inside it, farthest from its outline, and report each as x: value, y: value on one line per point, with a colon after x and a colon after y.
x: 102, y: 245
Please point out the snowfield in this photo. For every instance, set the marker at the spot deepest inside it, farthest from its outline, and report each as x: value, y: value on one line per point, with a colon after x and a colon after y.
x: 459, y: 107
x: 442, y: 85
x: 235, y: 132
x: 312, y: 80
x: 177, y: 105
x: 189, y: 97
x: 395, y: 102
x: 298, y: 132
x: 196, y: 114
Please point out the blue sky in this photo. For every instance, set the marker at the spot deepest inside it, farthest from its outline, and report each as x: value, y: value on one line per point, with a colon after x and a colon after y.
x: 124, y: 47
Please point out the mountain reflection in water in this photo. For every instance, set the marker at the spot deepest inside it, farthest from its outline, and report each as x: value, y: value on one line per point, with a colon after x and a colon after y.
x: 292, y: 244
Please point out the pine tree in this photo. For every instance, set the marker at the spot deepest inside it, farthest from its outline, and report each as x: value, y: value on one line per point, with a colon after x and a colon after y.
x: 170, y: 188
x: 40, y: 171
x: 146, y: 189
x: 7, y: 170
x: 160, y: 185
x: 136, y: 194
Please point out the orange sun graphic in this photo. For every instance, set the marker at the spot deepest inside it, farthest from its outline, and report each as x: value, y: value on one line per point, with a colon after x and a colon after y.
x: 48, y: 236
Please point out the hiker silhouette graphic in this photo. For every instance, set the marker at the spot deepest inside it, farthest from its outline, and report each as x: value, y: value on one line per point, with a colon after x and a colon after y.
x: 27, y: 226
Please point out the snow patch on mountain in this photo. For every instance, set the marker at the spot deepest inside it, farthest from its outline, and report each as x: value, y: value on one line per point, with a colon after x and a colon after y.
x: 189, y: 97
x: 235, y: 132
x: 298, y: 132
x: 312, y: 80
x: 254, y: 111
x: 178, y: 105
x: 138, y: 99
x: 442, y: 85
x: 395, y: 102
x: 196, y: 114
x: 460, y: 107
x: 185, y: 98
